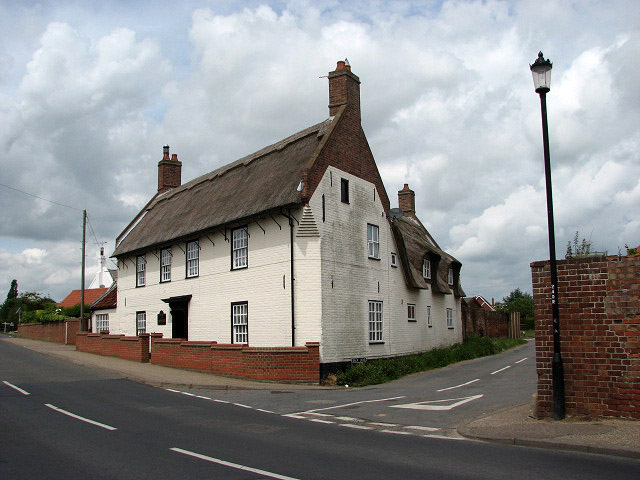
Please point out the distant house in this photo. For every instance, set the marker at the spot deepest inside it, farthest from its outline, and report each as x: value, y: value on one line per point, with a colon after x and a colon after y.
x: 294, y: 243
x: 103, y: 308
x: 480, y: 302
x: 90, y: 296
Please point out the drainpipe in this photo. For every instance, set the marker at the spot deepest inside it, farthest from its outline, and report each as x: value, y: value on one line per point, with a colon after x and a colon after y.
x: 293, y: 314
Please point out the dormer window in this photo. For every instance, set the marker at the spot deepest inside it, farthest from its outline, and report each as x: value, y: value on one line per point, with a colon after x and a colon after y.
x: 450, y: 276
x: 426, y: 269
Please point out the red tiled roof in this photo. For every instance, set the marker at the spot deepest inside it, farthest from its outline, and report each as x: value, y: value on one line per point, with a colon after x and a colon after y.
x: 108, y: 300
x: 90, y: 296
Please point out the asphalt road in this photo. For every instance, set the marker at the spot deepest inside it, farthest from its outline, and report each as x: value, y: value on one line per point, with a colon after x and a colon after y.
x: 58, y: 420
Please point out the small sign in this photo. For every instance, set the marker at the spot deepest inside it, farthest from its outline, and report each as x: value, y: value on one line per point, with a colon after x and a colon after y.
x: 162, y: 318
x: 359, y: 360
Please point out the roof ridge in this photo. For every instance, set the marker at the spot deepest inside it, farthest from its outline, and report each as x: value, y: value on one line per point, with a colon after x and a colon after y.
x: 243, y: 161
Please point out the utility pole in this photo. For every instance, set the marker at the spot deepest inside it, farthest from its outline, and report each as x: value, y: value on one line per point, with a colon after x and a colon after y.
x: 84, y: 236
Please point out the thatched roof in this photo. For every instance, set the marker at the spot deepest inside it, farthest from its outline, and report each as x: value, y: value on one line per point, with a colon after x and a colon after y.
x: 414, y: 245
x: 257, y: 183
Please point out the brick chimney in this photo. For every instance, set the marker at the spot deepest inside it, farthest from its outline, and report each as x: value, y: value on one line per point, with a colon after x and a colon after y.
x: 344, y: 89
x: 407, y: 201
x: 169, y: 171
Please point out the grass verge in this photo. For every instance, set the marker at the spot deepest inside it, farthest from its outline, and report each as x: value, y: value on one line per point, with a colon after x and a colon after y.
x: 386, y: 369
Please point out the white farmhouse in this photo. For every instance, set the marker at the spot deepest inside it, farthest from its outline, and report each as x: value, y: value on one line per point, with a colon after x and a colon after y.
x: 295, y: 243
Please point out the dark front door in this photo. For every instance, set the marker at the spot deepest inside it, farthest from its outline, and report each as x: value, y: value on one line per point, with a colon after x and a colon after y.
x: 179, y: 318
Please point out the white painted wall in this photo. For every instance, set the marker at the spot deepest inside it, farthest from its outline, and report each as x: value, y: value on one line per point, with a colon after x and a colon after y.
x: 350, y: 279
x: 94, y: 322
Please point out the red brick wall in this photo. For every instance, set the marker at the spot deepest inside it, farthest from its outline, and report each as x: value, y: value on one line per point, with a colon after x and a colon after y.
x: 59, y: 332
x: 599, y: 315
x: 282, y: 364
x: 129, y: 348
x: 484, y: 322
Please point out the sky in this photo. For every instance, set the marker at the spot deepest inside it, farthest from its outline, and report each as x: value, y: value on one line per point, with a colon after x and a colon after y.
x: 91, y: 91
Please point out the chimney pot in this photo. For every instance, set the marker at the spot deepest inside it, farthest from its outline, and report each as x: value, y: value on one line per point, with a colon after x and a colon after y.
x: 165, y: 152
x: 174, y: 157
x: 340, y: 65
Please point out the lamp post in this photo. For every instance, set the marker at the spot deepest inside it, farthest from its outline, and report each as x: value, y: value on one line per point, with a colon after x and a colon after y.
x: 541, y: 71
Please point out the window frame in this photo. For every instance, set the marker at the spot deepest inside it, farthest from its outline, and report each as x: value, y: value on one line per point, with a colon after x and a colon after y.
x: 376, y: 322
x: 141, y: 270
x: 450, y: 277
x: 102, y: 319
x: 429, y: 320
x: 373, y: 243
x: 236, y: 250
x: 141, y: 315
x: 163, y: 266
x: 411, y: 312
x: 450, y: 318
x: 344, y: 190
x: 195, y: 259
x: 236, y: 335
x: 393, y: 259
x: 426, y: 269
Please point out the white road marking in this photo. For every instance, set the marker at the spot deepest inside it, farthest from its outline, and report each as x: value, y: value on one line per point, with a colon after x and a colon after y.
x: 443, y: 437
x: 319, y: 420
x: 172, y: 390
x: 354, y: 403
x: 349, y: 419
x: 420, y: 427
x: 242, y: 405
x: 293, y: 415
x: 203, y: 397
x: 350, y: 425
x: 458, y: 386
x: 380, y: 424
x: 430, y: 404
x: 320, y: 414
x: 263, y: 410
x: 18, y: 389
x: 78, y: 417
x: 188, y: 394
x: 397, y: 432
x: 220, y: 401
x: 232, y: 465
x: 501, y: 370
x: 522, y: 359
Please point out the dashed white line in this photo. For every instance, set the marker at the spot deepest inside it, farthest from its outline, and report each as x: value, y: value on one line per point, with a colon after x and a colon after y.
x: 293, y: 415
x: 264, y: 411
x: 242, y: 405
x: 188, y: 394
x: 203, y: 397
x: 319, y: 420
x: 232, y: 465
x: 348, y: 419
x: 458, y: 386
x: 397, y: 432
x: 220, y: 401
x: 172, y: 390
x: 78, y: 417
x: 320, y: 414
x: 380, y: 424
x: 420, y: 427
x: 522, y: 359
x: 501, y: 370
x: 350, y: 425
x: 18, y: 389
x: 444, y: 437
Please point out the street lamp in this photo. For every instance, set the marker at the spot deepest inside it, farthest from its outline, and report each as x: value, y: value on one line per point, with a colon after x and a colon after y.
x: 541, y: 71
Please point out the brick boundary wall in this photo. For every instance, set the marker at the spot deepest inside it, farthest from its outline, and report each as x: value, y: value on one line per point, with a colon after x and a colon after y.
x: 281, y: 364
x: 483, y: 322
x: 58, y: 332
x: 599, y: 309
x: 128, y: 348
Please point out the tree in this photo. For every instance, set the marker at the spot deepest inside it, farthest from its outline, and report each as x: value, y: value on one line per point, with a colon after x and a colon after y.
x: 27, y: 302
x: 519, y: 301
x: 13, y: 289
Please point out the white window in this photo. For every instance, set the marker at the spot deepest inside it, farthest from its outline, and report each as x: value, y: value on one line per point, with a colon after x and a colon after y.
x: 240, y: 322
x: 165, y: 265
x: 375, y: 321
x: 141, y: 322
x: 102, y: 322
x: 426, y: 268
x: 429, y: 324
x: 411, y: 312
x: 449, y: 318
x: 240, y: 248
x: 394, y: 260
x: 141, y: 267
x: 450, y: 276
x: 193, y: 259
x: 373, y: 240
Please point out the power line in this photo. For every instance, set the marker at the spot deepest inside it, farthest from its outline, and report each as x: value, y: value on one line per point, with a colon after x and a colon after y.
x: 36, y: 196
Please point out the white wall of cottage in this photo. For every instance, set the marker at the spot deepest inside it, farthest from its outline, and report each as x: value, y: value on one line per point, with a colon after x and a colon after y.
x: 350, y: 279
x: 265, y: 285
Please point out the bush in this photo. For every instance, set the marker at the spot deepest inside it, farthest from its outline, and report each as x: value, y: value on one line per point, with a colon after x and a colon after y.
x: 386, y: 369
